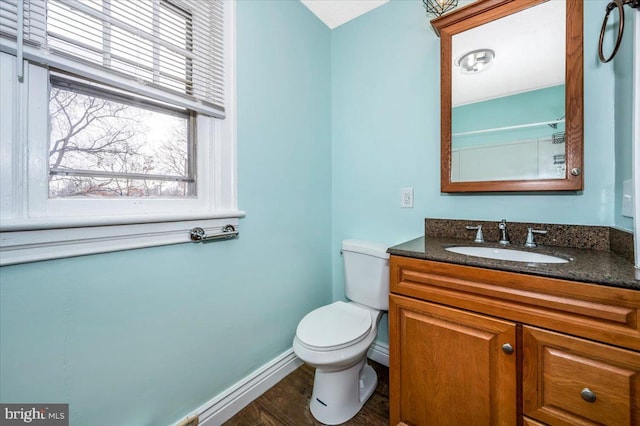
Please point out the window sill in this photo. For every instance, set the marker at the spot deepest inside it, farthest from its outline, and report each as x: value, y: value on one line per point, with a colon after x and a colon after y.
x: 31, y: 241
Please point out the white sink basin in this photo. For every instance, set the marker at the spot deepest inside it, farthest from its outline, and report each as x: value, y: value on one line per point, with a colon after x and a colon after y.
x: 507, y: 254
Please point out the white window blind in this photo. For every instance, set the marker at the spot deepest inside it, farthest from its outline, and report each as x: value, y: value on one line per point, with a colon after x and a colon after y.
x: 171, y: 45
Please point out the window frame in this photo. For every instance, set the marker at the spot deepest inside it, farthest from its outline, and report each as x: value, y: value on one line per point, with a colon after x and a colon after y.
x: 85, y: 87
x: 34, y: 227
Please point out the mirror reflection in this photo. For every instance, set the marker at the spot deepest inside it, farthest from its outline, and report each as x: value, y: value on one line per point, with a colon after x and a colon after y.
x: 508, y: 97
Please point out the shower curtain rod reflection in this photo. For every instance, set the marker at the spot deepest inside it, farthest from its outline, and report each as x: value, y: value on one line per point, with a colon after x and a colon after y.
x: 498, y: 129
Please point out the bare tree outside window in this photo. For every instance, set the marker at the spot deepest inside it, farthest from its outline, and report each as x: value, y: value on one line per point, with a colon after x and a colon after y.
x: 100, y: 147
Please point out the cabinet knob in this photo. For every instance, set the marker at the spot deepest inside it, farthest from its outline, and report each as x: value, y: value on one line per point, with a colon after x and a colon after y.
x: 507, y: 348
x: 588, y: 395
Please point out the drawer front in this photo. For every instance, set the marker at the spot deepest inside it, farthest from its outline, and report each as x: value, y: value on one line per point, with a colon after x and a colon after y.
x: 606, y: 314
x: 571, y: 381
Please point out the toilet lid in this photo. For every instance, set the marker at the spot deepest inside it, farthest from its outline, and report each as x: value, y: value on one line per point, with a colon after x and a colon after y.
x: 333, y: 325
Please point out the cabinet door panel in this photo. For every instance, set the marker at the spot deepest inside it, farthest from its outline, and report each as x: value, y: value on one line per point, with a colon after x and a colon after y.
x: 447, y: 366
x: 574, y: 381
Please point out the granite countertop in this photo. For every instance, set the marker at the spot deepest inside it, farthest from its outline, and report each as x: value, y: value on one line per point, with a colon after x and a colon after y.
x: 587, y: 265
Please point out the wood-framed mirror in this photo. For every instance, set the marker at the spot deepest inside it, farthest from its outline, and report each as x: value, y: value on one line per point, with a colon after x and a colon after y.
x: 512, y: 96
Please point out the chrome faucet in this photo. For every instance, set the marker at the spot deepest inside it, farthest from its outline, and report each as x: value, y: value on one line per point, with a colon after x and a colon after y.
x: 504, y: 234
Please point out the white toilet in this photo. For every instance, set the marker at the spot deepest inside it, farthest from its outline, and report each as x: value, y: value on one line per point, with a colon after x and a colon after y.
x: 335, y: 338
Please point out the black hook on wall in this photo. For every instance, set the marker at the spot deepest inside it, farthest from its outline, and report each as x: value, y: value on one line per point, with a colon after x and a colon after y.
x: 619, y: 4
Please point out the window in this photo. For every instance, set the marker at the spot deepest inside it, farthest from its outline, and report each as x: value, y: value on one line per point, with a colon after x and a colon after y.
x: 120, y: 123
x: 107, y: 144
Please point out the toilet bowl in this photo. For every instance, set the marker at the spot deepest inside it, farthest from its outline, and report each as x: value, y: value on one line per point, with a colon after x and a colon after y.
x: 335, y: 338
x: 343, y: 380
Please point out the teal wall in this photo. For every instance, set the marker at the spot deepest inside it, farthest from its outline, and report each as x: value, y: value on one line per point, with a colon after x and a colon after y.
x: 386, y: 136
x: 146, y: 336
x: 536, y: 106
x: 623, y: 107
x: 331, y: 124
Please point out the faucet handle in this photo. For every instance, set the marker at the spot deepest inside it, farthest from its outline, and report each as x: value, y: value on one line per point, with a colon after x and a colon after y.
x: 531, y: 243
x: 479, y: 236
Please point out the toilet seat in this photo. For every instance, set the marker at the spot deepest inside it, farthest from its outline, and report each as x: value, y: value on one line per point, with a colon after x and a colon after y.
x: 334, y: 326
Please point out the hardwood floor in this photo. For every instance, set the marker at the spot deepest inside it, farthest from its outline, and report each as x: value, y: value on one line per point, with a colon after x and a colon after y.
x: 287, y: 403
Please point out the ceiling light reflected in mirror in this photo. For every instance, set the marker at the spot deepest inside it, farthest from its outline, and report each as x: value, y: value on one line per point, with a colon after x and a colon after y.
x: 475, y: 61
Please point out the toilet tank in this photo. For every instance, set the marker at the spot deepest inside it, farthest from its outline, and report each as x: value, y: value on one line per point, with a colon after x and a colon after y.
x: 366, y: 273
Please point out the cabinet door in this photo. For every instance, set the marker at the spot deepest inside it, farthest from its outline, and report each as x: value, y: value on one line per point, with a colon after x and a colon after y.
x: 571, y: 381
x: 448, y: 366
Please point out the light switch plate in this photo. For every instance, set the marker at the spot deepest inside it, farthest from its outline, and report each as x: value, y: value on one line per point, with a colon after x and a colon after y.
x: 627, y: 198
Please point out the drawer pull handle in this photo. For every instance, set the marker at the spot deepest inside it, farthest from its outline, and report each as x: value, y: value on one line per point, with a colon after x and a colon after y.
x: 588, y: 395
x: 507, y: 349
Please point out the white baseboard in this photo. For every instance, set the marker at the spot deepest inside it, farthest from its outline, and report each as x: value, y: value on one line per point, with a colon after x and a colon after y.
x: 379, y: 352
x: 225, y: 405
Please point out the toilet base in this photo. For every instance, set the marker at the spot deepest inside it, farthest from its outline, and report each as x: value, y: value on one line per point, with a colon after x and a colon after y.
x: 339, y: 395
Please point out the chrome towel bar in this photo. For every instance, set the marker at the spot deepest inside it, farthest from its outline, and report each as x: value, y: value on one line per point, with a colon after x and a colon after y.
x: 198, y: 234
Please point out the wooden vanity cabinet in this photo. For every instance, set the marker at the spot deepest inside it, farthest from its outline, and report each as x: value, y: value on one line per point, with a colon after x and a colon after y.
x: 475, y: 346
x: 451, y: 368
